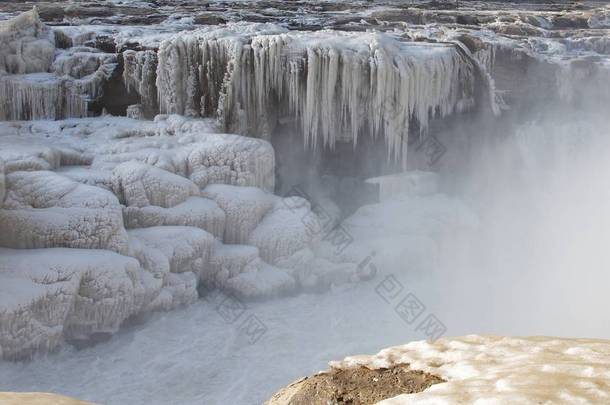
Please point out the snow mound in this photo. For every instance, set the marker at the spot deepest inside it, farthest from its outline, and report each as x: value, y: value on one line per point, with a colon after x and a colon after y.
x: 43, y: 209
x: 175, y: 255
x: 198, y: 212
x: 140, y: 185
x: 86, y: 175
x: 288, y: 227
x: 20, y: 155
x: 231, y: 159
x: 49, y: 295
x: 495, y: 369
x: 244, y: 208
x: 238, y: 269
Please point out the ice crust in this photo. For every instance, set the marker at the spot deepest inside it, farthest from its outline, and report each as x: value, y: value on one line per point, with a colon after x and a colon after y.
x: 38, y: 81
x: 336, y: 84
x: 105, y: 219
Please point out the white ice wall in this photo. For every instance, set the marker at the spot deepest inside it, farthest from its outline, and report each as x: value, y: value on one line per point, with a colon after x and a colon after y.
x: 337, y: 84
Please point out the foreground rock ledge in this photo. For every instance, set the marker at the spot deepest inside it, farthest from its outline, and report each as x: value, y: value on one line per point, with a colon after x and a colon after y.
x: 37, y: 398
x: 489, y: 369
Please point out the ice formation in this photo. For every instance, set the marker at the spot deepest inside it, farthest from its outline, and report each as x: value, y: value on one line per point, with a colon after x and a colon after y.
x: 139, y: 75
x: 338, y: 85
x: 49, y: 295
x: 28, y: 46
x: 101, y: 220
x: 176, y: 257
x: 38, y: 81
x: 43, y: 209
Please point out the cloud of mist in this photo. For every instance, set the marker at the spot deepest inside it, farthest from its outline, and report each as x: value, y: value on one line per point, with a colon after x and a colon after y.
x: 538, y: 260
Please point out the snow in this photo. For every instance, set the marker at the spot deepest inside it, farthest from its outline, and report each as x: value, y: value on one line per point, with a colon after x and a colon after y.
x: 28, y: 46
x: 39, y: 82
x: 145, y: 190
x: 49, y: 295
x: 286, y: 228
x: 140, y: 185
x: 198, y: 212
x: 244, y: 208
x: 175, y: 255
x: 43, y: 209
x: 494, y: 369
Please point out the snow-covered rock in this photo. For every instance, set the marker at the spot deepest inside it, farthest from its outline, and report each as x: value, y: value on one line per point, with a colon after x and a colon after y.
x: 87, y: 175
x: 239, y: 270
x: 49, y: 295
x: 26, y: 45
x: 496, y: 369
x: 288, y: 227
x: 43, y: 210
x: 151, y: 190
x: 230, y: 159
x: 177, y: 256
x: 36, y: 82
x: 198, y: 212
x: 244, y: 208
x: 140, y: 185
x: 20, y: 155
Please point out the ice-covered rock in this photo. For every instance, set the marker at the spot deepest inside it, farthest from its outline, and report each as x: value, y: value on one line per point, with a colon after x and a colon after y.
x: 49, y: 295
x: 43, y: 209
x: 139, y: 75
x: 140, y: 185
x: 36, y: 82
x: 198, y: 212
x: 231, y: 159
x: 20, y: 155
x: 244, y: 208
x: 288, y: 227
x: 337, y: 84
x: 497, y: 369
x: 87, y: 175
x: 261, y: 280
x: 239, y: 270
x: 177, y: 256
x: 26, y: 45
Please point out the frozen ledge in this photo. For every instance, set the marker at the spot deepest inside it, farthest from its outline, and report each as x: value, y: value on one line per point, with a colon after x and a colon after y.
x: 469, y: 369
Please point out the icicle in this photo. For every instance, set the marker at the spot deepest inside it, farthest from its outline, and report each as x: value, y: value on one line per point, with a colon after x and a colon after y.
x: 337, y: 85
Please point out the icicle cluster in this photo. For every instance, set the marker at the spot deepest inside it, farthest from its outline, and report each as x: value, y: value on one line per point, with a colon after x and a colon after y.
x: 24, y: 98
x: 338, y: 85
x: 37, y: 81
x: 139, y: 75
